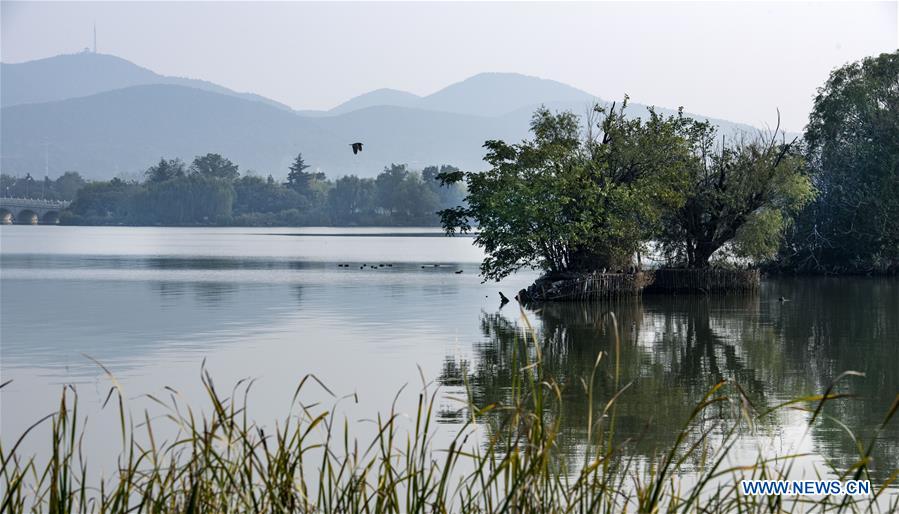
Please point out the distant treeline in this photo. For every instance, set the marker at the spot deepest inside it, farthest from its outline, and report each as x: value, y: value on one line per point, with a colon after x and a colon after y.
x: 211, y: 191
x: 65, y: 187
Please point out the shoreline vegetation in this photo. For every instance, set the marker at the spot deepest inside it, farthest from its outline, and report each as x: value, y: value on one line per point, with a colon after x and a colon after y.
x: 587, y: 194
x: 579, y: 287
x: 506, y: 456
x: 212, y: 192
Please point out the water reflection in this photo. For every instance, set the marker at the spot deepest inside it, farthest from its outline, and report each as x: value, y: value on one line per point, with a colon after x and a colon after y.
x: 122, y: 323
x: 153, y: 304
x: 833, y: 325
x: 674, y: 349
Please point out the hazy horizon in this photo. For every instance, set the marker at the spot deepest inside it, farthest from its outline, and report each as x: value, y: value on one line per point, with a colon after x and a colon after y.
x: 701, y: 56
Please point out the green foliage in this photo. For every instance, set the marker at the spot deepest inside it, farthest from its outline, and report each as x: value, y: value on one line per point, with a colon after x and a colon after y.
x: 184, y: 200
x: 67, y: 185
x: 350, y: 199
x: 446, y: 196
x: 739, y: 198
x: 104, y: 202
x: 403, y: 194
x: 853, y: 151
x: 63, y: 188
x: 564, y: 202
x: 310, y: 185
x: 257, y: 195
x: 213, y: 165
x: 165, y: 170
x: 213, y: 193
x: 396, y: 196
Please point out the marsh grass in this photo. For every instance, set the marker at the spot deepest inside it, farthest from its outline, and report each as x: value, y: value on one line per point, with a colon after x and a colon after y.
x: 504, y: 458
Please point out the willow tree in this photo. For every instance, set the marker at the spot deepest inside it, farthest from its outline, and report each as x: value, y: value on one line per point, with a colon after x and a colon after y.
x: 567, y: 201
x: 738, y: 199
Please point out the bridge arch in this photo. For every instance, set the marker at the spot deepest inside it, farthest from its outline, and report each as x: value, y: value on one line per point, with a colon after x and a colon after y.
x: 26, y: 217
x: 30, y: 211
x: 50, y: 218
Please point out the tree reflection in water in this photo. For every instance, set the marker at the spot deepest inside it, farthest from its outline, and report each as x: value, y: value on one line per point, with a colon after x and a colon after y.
x: 674, y: 349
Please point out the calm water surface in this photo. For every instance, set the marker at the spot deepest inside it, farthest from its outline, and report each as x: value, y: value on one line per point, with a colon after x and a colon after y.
x: 154, y: 304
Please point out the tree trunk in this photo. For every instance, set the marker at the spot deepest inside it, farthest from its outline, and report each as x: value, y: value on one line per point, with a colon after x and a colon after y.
x: 701, y: 254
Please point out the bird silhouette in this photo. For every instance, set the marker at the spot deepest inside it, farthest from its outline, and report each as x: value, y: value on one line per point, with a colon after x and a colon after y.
x: 357, y: 147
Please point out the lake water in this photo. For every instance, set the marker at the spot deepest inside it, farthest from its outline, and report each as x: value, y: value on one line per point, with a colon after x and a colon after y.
x: 155, y: 305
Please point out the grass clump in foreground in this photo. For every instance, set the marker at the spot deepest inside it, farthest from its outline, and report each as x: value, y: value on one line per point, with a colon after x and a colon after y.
x: 223, y: 462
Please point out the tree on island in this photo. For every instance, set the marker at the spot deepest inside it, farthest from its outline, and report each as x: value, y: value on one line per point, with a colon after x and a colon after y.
x: 565, y: 202
x: 738, y: 199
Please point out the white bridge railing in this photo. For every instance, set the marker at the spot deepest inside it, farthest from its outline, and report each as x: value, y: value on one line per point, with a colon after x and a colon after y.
x: 32, y: 203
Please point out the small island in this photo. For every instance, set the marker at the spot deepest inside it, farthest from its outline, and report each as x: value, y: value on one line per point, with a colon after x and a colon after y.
x: 615, y: 205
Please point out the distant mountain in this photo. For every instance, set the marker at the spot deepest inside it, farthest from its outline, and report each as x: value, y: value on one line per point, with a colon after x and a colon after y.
x: 129, y: 129
x: 82, y: 74
x: 495, y: 94
x: 126, y: 129
x: 378, y: 97
x: 513, y: 97
x: 485, y: 94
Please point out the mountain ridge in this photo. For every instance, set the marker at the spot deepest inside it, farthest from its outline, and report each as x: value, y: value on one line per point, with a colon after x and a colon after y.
x: 483, y: 94
x: 87, y: 73
x: 382, y: 96
x: 126, y: 129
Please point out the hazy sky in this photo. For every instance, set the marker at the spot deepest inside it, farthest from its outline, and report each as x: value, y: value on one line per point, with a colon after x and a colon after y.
x: 738, y: 61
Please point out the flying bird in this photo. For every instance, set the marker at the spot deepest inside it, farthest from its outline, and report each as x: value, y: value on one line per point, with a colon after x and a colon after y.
x: 357, y: 147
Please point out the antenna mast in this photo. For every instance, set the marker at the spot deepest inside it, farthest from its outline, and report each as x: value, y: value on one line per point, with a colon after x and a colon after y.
x: 95, y: 37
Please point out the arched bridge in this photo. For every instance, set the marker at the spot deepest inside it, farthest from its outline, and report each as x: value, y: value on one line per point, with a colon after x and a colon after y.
x: 30, y: 211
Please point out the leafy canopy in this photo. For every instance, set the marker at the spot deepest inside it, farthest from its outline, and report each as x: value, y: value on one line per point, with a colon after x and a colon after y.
x: 853, y: 152
x: 308, y: 184
x: 738, y: 199
x: 165, y: 169
x: 568, y: 201
x: 213, y: 165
